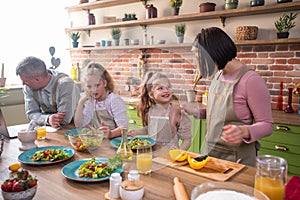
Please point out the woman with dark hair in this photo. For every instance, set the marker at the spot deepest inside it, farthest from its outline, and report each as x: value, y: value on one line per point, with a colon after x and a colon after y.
x: 99, y: 107
x: 238, y: 111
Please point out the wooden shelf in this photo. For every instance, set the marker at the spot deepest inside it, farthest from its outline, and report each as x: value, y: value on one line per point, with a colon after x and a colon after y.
x: 99, y: 4
x: 156, y: 46
x: 268, y: 42
x: 189, y: 45
x: 219, y: 14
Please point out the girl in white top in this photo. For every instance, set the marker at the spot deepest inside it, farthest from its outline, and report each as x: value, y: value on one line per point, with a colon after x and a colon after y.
x: 99, y: 107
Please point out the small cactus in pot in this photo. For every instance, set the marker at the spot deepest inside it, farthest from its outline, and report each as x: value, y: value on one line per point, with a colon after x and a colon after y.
x: 75, y: 37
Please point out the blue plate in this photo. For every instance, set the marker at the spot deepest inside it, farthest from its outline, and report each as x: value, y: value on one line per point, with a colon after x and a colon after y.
x: 70, y: 170
x: 25, y: 157
x: 114, y: 142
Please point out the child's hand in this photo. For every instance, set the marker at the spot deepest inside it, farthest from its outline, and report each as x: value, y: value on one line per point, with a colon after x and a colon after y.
x: 190, y: 110
x: 86, y: 96
x: 105, y: 130
x: 131, y: 133
x: 173, y: 147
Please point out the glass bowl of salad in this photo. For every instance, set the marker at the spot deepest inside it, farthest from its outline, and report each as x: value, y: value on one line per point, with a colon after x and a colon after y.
x: 85, y: 139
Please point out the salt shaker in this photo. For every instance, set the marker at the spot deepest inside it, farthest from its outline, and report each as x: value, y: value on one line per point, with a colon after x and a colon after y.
x: 133, y: 175
x: 114, y: 185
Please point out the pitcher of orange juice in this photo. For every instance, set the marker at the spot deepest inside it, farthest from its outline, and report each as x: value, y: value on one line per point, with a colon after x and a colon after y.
x: 271, y: 176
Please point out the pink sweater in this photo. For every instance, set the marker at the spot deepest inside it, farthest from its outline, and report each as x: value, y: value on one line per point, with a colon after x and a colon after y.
x: 251, y: 101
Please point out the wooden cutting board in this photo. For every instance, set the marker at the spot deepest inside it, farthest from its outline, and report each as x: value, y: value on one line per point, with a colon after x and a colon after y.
x: 215, y: 169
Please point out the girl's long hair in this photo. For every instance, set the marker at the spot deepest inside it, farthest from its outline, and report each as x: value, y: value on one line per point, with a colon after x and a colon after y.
x: 145, y: 102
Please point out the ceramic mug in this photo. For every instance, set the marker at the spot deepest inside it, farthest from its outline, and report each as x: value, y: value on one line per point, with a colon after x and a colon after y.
x: 126, y: 42
x: 103, y: 43
x: 108, y: 43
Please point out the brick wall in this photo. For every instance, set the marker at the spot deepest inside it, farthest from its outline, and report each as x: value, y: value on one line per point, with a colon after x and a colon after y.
x: 274, y: 63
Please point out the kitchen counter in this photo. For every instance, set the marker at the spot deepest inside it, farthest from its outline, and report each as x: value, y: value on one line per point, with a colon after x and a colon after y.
x: 53, y: 185
x: 286, y: 118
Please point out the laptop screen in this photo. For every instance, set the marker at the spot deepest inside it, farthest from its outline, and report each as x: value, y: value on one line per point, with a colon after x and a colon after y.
x: 3, y: 128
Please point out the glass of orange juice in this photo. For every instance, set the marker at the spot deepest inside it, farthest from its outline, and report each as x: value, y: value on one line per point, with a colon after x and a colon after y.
x: 271, y: 176
x: 144, y: 159
x: 41, y: 132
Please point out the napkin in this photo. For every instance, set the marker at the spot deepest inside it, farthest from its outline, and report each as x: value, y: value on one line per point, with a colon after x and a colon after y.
x: 292, y: 189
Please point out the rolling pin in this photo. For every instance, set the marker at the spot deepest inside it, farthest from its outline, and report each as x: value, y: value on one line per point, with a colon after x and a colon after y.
x: 179, y: 190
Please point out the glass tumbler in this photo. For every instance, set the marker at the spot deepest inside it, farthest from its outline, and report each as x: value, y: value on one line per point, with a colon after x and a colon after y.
x: 41, y: 133
x: 271, y: 176
x: 144, y: 159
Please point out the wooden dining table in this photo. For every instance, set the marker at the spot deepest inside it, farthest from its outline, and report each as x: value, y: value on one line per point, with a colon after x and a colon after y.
x: 52, y: 184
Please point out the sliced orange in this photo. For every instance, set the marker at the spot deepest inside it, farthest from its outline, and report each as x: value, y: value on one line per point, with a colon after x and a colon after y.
x: 14, y: 167
x: 183, y: 156
x: 178, y: 155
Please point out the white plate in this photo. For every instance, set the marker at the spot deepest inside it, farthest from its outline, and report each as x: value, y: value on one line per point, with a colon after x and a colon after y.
x: 50, y: 129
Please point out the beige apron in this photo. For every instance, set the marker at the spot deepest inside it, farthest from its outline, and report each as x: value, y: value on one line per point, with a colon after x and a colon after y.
x: 159, y: 128
x: 220, y: 112
x: 102, y: 115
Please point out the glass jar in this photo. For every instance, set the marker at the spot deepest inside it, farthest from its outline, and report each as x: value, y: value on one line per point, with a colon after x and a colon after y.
x: 151, y: 11
x: 92, y: 20
x: 271, y: 176
x: 124, y: 150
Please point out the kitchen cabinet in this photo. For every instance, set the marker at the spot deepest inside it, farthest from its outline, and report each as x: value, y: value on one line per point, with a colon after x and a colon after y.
x: 218, y: 14
x: 198, y: 131
x: 284, y: 142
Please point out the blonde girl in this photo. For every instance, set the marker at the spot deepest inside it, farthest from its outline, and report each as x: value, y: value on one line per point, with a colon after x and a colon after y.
x: 99, y: 107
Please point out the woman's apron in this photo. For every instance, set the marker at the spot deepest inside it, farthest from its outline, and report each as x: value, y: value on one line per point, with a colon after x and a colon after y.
x: 102, y: 115
x: 159, y: 128
x: 220, y: 112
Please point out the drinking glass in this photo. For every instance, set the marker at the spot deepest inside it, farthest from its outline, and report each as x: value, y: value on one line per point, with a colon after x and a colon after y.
x: 144, y: 159
x: 41, y: 133
x: 271, y: 176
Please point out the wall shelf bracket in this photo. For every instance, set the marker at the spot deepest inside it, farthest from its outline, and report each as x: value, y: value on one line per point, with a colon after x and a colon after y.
x: 144, y: 27
x: 88, y: 32
x: 144, y: 2
x: 223, y: 19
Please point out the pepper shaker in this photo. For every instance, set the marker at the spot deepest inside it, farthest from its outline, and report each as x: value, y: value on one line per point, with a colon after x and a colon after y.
x: 115, y: 181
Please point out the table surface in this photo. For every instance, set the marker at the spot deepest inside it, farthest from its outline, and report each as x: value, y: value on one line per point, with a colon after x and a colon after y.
x: 53, y: 185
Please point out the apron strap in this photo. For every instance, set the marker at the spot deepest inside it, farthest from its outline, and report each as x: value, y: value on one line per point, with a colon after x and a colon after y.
x: 242, y: 72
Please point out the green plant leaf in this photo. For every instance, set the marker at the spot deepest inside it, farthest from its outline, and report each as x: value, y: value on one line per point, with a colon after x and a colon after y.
x: 286, y: 22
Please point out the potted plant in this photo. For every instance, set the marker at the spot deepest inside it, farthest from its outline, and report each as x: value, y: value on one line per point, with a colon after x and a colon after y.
x: 75, y: 37
x: 175, y: 4
x: 284, y: 24
x: 180, y: 31
x: 116, y: 34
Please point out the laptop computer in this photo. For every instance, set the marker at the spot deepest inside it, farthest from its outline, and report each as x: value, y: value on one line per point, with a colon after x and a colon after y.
x: 10, y: 132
